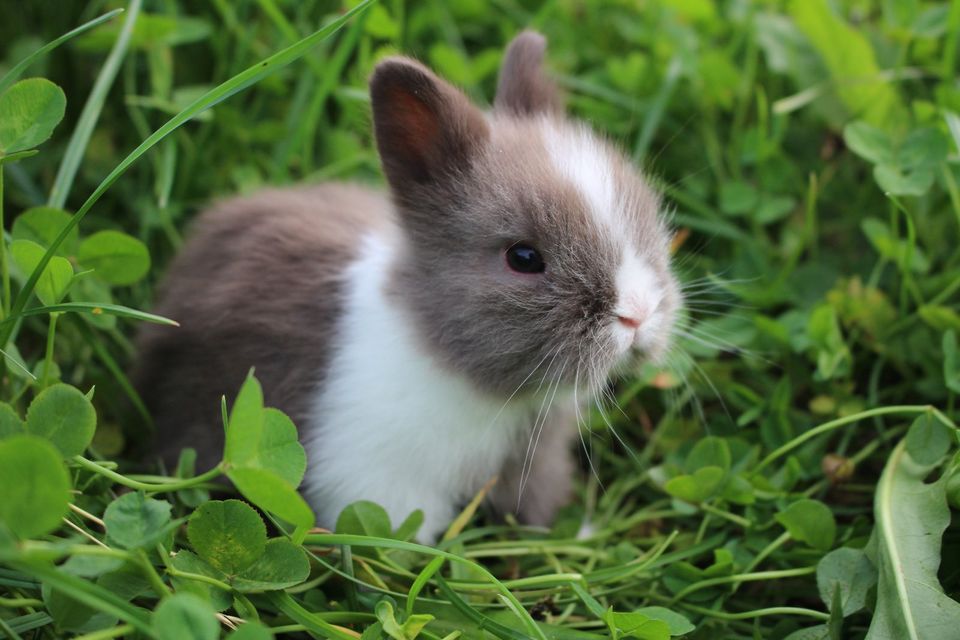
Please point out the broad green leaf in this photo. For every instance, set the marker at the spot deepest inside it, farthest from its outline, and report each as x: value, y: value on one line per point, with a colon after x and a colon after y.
x: 903, y: 182
x: 379, y: 23
x: 364, y: 518
x: 679, y: 624
x: 869, y: 142
x: 272, y: 493
x: 245, y: 425
x: 773, y: 208
x: 809, y: 521
x: 259, y: 438
x: 36, y: 487
x: 134, y: 520
x: 928, y: 440
x: 819, y: 632
x: 923, y: 147
x: 704, y: 483
x: 710, y: 451
x: 115, y: 257
x: 849, y: 572
x: 29, y: 112
x: 251, y: 630
x: 10, y: 422
x: 738, y: 198
x: 637, y: 625
x: 932, y: 21
x: 55, y: 280
x: 279, y: 449
x: 187, y: 561
x: 227, y: 534
x: 739, y: 490
x: 911, y: 516
x: 900, y: 13
x: 42, y: 225
x: 72, y: 615
x: 283, y: 564
x: 409, y: 527
x: 91, y: 566
x: 848, y: 56
x: 65, y: 416
x: 410, y: 628
x: 184, y: 616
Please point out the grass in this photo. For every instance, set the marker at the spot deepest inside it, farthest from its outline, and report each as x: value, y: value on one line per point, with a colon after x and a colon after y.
x: 789, y: 473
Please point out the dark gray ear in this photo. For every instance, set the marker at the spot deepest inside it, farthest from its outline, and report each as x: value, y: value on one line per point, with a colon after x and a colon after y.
x: 524, y: 87
x: 425, y: 128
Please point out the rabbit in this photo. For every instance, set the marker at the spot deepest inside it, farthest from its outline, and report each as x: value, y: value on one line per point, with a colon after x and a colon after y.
x: 426, y: 340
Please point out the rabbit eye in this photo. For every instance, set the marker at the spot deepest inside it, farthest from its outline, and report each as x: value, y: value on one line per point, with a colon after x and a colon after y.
x: 523, y: 258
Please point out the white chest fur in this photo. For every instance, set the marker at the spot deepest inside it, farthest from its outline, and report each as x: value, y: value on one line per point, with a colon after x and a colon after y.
x: 390, y: 425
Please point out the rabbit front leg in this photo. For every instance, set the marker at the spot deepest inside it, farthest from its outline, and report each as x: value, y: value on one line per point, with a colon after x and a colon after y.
x: 548, y: 479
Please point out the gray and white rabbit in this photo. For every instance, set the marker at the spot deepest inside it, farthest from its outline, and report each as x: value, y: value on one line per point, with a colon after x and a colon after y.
x: 424, y: 340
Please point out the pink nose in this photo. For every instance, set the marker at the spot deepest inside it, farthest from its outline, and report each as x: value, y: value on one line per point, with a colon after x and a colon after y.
x: 630, y: 322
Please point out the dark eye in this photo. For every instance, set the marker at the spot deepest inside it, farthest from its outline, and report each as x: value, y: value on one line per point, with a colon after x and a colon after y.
x: 523, y: 258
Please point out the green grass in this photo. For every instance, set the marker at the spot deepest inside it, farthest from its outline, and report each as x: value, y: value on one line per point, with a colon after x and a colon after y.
x: 790, y: 470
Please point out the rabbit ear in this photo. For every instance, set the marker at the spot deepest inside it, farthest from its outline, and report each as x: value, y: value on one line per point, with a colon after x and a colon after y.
x: 524, y: 88
x: 425, y: 128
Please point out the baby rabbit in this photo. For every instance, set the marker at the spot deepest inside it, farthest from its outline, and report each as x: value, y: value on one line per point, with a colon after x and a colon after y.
x: 429, y: 340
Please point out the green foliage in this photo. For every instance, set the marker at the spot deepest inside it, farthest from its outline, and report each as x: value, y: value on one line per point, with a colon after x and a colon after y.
x: 29, y: 112
x: 65, y: 417
x: 263, y: 458
x: 849, y: 573
x: 134, y: 520
x: 364, y: 518
x: 410, y: 628
x: 787, y: 473
x: 116, y: 257
x: 36, y: 486
x: 185, y: 617
x: 809, y: 521
x: 228, y: 535
x: 56, y: 277
x: 41, y: 225
x: 911, y: 518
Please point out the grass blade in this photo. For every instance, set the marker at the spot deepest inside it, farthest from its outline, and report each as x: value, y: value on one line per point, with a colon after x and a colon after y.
x: 90, y: 594
x: 22, y: 66
x: 91, y: 111
x: 333, y: 539
x: 311, y: 621
x: 211, y: 98
x: 97, y: 309
x: 482, y: 621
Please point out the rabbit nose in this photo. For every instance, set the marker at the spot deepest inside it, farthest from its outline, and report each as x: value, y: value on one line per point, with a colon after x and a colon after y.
x: 631, y: 321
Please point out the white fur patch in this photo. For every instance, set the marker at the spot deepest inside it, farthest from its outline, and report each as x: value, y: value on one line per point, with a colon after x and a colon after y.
x: 639, y: 294
x: 580, y: 158
x: 392, y: 426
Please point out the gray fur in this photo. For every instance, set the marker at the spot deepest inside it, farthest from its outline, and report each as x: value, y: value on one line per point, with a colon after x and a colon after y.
x: 524, y: 89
